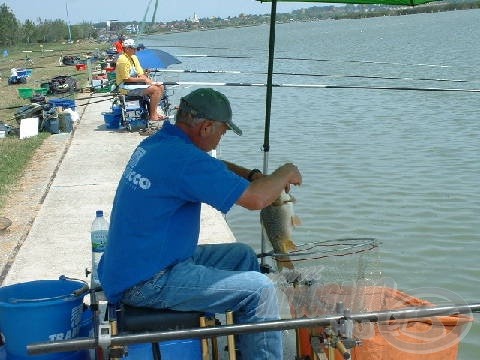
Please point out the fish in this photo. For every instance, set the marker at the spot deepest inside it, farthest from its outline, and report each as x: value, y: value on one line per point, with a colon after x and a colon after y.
x: 278, y: 221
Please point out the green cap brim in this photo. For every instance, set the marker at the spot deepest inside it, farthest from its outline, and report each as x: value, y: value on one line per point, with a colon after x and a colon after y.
x: 234, y: 128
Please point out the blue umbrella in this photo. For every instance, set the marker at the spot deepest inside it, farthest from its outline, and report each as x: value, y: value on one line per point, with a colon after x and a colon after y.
x: 156, y: 59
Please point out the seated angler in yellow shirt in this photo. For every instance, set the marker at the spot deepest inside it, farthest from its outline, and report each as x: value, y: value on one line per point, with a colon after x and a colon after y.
x: 132, y: 80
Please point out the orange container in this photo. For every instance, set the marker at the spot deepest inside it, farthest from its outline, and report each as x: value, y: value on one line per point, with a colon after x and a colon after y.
x: 81, y: 66
x: 430, y: 338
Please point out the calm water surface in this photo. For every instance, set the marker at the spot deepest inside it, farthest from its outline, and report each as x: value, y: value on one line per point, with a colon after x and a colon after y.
x: 400, y: 166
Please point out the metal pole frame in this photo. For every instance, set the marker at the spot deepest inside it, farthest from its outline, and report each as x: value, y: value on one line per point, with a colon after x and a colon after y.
x: 277, y: 325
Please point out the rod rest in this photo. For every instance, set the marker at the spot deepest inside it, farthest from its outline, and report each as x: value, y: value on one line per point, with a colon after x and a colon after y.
x: 135, y: 319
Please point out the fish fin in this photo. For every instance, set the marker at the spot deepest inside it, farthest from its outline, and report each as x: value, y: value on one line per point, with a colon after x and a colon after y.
x: 296, y: 220
x: 288, y: 245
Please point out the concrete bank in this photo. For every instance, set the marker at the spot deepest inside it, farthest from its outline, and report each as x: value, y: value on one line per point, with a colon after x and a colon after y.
x: 58, y: 242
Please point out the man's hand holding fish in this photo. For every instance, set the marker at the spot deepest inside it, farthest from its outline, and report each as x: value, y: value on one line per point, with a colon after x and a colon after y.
x: 264, y: 190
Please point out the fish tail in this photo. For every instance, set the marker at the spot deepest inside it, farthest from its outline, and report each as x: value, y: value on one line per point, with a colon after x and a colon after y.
x: 284, y: 263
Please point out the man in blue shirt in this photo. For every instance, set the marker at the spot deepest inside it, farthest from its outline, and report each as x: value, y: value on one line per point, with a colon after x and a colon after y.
x: 152, y: 258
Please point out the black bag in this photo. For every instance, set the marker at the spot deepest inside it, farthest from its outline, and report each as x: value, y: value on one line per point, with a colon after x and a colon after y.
x: 63, y: 84
x: 70, y: 60
x: 28, y: 111
x: 38, y: 98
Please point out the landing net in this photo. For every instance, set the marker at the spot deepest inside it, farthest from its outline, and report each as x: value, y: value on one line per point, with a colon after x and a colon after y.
x: 310, y: 277
x: 328, y: 248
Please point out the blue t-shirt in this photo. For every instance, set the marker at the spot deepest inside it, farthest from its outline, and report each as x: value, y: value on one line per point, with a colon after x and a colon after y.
x: 155, y: 220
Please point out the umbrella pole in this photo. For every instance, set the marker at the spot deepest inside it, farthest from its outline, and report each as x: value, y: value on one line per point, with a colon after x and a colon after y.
x: 268, y: 107
x: 271, y: 55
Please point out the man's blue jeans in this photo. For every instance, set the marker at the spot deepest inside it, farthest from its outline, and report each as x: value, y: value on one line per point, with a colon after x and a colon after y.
x: 216, y: 279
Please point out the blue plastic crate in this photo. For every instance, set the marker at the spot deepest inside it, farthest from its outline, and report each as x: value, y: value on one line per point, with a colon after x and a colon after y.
x: 63, y: 103
x: 24, y: 72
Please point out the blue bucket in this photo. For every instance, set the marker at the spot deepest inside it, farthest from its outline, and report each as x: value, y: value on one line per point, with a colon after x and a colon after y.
x: 86, y: 331
x: 112, y: 120
x: 117, y: 110
x: 41, y: 311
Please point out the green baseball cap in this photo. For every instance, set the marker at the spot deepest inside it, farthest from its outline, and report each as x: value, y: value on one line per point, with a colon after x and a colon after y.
x: 210, y: 104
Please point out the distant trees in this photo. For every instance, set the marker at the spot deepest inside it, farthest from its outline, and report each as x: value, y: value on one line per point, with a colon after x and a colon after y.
x: 85, y: 30
x: 315, y: 13
x: 13, y: 32
x: 51, y: 31
x: 9, y: 26
x: 29, y: 30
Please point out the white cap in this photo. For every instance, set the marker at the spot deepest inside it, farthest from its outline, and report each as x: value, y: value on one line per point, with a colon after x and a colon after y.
x: 129, y: 43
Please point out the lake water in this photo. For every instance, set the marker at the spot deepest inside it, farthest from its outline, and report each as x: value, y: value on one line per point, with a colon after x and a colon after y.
x: 401, y: 166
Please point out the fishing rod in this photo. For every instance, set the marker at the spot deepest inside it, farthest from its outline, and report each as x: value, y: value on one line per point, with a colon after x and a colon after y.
x: 194, y: 47
x: 216, y: 56
x: 364, y: 62
x: 318, y: 86
x: 307, y: 86
x: 96, y: 96
x: 203, y: 71
x: 105, y: 97
x: 319, y: 60
x: 94, y: 102
x: 276, y: 325
x: 69, y: 97
x: 309, y: 75
x: 295, y: 58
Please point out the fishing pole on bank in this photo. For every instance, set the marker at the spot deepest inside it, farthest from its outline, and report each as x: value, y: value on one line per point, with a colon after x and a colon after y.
x: 189, y: 71
x: 317, y: 86
x: 108, y: 96
x: 317, y: 60
x: 196, y: 47
x: 293, y: 58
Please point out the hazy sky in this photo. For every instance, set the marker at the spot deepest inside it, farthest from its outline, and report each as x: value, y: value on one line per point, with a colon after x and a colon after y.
x: 126, y: 10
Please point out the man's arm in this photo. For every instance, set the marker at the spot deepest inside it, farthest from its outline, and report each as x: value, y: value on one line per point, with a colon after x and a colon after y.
x: 267, y: 188
x: 243, y: 172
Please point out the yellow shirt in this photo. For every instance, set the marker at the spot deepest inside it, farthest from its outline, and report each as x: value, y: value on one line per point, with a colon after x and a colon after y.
x: 127, y: 67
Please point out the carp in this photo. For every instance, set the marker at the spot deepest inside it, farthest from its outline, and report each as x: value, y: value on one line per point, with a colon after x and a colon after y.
x: 278, y: 221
